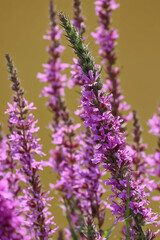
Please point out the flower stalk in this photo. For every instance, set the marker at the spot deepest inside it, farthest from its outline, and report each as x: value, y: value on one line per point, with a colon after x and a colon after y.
x: 106, y: 37
x: 24, y: 145
x: 109, y: 141
x: 78, y: 178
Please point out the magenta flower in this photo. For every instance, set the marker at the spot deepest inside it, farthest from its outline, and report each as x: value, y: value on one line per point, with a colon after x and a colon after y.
x: 154, y: 159
x: 139, y: 158
x: 54, y: 68
x: 24, y: 146
x: 78, y: 178
x: 111, y: 150
x: 13, y: 216
x: 109, y: 142
x: 154, y: 124
x: 11, y: 223
x: 106, y: 37
x: 78, y: 19
x: 80, y: 157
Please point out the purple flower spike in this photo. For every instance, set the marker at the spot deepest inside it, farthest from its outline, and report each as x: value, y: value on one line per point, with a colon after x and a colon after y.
x: 111, y: 151
x: 54, y: 68
x: 139, y: 158
x: 11, y: 223
x: 12, y: 220
x: 106, y: 37
x: 109, y: 141
x: 154, y: 124
x: 78, y: 20
x: 78, y: 178
x: 24, y: 146
x: 154, y: 159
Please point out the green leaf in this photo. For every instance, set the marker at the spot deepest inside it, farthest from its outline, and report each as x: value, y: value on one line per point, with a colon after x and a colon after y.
x: 74, y: 236
x: 108, y: 232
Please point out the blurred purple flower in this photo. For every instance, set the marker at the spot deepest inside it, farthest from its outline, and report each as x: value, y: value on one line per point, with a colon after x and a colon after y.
x: 106, y: 37
x: 11, y: 223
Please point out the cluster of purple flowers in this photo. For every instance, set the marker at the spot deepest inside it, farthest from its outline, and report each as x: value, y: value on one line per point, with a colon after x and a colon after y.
x: 112, y: 152
x: 78, y: 178
x: 80, y: 157
x: 22, y: 146
x: 154, y: 159
x: 106, y: 37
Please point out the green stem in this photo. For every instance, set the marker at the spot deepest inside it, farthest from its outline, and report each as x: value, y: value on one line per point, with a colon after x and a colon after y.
x: 127, y: 211
x: 86, y: 60
x: 74, y: 236
x: 139, y: 228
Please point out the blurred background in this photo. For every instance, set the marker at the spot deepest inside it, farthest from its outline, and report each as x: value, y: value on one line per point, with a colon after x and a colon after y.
x: 22, y: 25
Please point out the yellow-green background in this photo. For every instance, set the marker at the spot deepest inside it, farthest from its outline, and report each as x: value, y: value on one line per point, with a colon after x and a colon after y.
x: 24, y: 22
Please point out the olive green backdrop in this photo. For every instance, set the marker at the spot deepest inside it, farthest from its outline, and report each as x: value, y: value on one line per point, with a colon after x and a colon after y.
x: 24, y: 22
